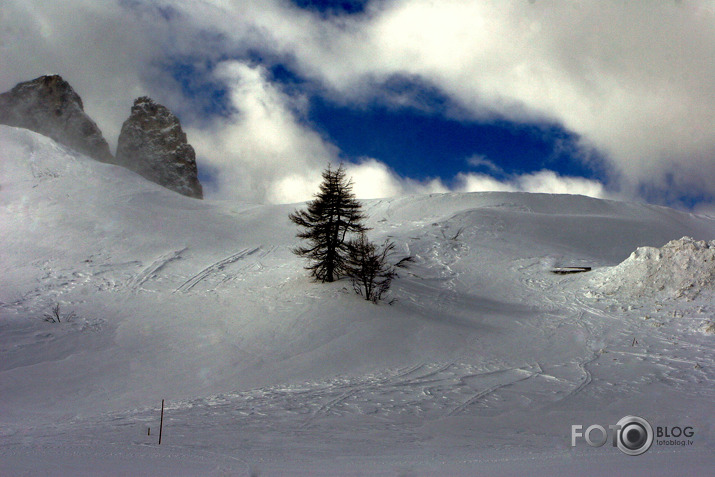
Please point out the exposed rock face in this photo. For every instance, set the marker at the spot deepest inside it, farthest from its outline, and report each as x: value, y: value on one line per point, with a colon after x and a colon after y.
x: 153, y: 144
x: 48, y: 105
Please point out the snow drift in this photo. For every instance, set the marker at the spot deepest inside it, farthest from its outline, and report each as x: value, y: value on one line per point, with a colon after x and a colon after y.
x: 683, y: 268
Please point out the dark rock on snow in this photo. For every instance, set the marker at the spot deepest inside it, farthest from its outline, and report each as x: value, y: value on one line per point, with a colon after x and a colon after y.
x: 153, y: 144
x: 48, y: 105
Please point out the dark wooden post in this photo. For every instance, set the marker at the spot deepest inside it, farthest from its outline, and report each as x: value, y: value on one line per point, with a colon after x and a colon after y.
x: 161, y: 423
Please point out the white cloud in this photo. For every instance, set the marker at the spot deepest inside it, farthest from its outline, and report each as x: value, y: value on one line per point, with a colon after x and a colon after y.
x: 632, y: 79
x: 480, y: 160
x: 265, y: 152
x: 483, y: 183
x: 373, y: 179
x: 98, y: 47
x: 546, y: 182
x: 262, y: 150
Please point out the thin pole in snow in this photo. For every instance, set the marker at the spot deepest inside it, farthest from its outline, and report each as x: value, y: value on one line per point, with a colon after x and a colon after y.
x: 161, y: 423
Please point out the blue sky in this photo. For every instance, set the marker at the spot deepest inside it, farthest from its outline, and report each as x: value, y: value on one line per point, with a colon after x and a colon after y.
x: 422, y: 145
x: 428, y: 139
x: 602, y: 98
x: 333, y: 7
x: 421, y: 141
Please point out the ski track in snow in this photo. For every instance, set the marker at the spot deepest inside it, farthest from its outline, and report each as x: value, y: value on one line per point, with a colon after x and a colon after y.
x: 153, y: 268
x: 587, y: 376
x: 377, y: 387
x: 215, y: 267
x: 511, y: 376
x: 430, y: 390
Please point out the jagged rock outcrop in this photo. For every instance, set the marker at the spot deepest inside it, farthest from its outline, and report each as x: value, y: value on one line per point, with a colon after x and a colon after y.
x: 48, y: 105
x: 153, y: 144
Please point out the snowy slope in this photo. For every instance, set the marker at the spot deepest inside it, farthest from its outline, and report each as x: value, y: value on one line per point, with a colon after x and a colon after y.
x: 483, y: 363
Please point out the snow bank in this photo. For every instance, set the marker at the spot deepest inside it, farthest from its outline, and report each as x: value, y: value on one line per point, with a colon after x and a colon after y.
x: 683, y: 268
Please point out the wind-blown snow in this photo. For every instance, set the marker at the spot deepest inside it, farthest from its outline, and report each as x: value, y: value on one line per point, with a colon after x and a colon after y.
x: 481, y: 366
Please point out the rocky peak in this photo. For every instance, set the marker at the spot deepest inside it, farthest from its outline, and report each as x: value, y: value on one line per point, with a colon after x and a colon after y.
x: 153, y: 144
x: 48, y: 105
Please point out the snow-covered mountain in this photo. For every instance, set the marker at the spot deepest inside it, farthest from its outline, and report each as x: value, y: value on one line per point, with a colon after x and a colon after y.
x: 482, y: 365
x: 48, y: 105
x: 153, y: 144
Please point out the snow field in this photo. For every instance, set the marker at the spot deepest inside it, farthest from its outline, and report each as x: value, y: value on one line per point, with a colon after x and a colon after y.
x: 482, y: 364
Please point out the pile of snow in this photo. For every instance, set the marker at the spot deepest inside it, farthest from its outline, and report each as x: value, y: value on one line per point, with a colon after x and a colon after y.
x: 683, y: 268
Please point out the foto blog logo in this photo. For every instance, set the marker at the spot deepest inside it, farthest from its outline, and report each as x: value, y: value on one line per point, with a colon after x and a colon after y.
x: 632, y: 435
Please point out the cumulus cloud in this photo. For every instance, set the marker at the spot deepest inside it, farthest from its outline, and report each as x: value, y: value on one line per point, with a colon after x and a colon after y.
x: 633, y: 80
x: 547, y: 182
x: 483, y: 183
x: 263, y: 151
x: 266, y: 152
x: 373, y: 179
